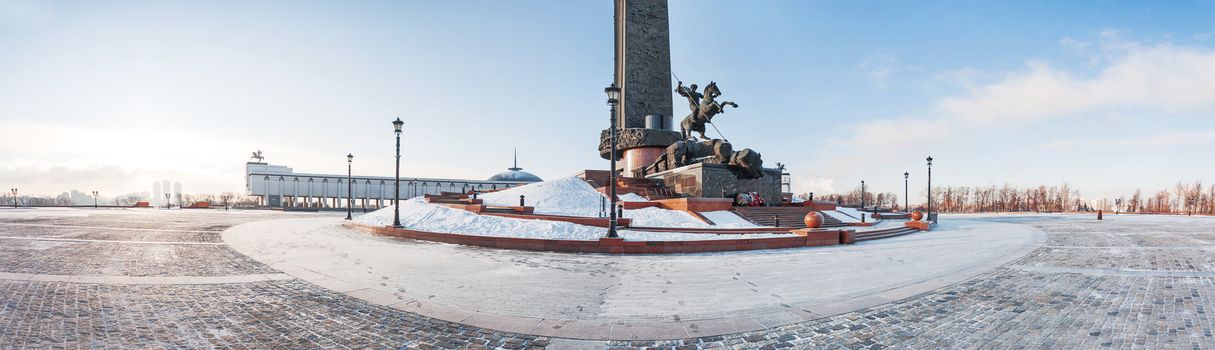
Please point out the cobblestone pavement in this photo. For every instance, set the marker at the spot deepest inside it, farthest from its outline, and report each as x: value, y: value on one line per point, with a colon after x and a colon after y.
x: 1127, y: 282
x: 288, y: 314
x: 1112, y: 284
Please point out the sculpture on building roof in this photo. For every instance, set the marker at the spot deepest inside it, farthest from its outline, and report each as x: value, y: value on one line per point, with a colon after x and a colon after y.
x: 258, y: 155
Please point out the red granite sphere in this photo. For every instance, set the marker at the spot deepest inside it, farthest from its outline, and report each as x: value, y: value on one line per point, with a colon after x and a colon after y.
x: 813, y: 220
x: 917, y: 215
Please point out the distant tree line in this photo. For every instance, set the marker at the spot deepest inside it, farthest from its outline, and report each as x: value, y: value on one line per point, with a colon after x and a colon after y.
x: 1182, y: 198
x: 883, y: 200
x: 1006, y: 198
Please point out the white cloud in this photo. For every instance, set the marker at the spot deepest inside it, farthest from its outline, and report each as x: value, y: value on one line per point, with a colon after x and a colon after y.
x: 1164, y: 77
x: 878, y: 69
x: 808, y: 183
x: 1164, y: 139
x: 1161, y: 78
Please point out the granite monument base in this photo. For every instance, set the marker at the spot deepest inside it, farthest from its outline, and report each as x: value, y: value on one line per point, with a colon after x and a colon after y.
x: 710, y: 180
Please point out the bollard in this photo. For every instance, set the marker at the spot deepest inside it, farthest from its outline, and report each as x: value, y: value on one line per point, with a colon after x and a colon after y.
x: 620, y: 211
x: 775, y: 220
x: 1099, y: 214
x: 521, y: 201
x: 474, y: 194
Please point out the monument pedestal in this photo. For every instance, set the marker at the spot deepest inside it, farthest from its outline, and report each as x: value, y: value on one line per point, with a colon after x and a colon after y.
x: 636, y: 147
x: 709, y: 180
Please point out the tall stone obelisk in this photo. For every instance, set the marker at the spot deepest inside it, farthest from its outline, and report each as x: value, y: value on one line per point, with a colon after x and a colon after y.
x: 643, y: 73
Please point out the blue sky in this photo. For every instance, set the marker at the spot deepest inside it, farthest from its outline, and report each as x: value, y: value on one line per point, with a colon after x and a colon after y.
x: 1108, y: 96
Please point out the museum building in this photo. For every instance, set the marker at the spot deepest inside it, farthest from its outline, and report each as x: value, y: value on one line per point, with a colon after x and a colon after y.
x: 280, y: 186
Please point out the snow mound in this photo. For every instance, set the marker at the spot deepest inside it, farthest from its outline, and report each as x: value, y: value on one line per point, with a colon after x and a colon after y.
x: 658, y: 217
x: 565, y: 196
x: 632, y: 197
x: 416, y: 214
x: 727, y: 219
x: 849, y: 215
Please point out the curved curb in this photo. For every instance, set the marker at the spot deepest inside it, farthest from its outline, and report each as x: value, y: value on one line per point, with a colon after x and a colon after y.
x: 613, y: 245
x: 646, y: 330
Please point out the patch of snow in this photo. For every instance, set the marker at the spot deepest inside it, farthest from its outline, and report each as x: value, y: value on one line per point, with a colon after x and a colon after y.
x: 632, y: 197
x: 845, y: 218
x: 658, y: 217
x: 416, y: 214
x: 849, y: 215
x: 727, y: 219
x: 572, y: 196
x: 565, y: 196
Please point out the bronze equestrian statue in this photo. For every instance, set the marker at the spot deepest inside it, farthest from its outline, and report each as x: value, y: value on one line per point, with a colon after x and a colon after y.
x: 703, y: 106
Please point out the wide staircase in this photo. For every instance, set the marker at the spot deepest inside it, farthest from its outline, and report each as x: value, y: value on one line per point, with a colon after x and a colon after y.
x: 652, y: 189
x: 862, y: 236
x: 787, y: 216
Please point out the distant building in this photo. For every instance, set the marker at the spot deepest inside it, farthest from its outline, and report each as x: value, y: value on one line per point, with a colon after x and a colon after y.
x: 281, y: 187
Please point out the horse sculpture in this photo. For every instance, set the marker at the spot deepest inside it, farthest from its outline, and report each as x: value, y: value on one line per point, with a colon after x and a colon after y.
x: 703, y: 106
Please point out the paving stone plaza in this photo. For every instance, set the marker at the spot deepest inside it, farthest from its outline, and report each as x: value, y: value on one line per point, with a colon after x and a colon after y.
x: 166, y: 279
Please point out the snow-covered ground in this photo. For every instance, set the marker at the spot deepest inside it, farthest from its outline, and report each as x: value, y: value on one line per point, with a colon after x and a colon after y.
x: 849, y: 215
x: 565, y: 196
x: 574, y: 197
x: 632, y: 197
x: 418, y: 215
x: 320, y: 251
x: 658, y: 217
x: 727, y: 219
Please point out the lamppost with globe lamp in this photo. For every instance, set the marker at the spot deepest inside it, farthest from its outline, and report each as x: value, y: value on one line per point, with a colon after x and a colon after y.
x: 14, y: 198
x: 930, y: 188
x: 94, y: 199
x: 349, y: 186
x: 396, y: 193
x: 613, y: 94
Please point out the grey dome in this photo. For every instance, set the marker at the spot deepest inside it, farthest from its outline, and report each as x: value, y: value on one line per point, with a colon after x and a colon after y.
x: 515, y: 173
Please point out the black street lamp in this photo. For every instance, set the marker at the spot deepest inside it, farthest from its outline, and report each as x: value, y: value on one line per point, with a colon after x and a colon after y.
x: 94, y: 199
x: 929, y: 187
x: 349, y: 187
x: 862, y: 194
x: 14, y: 198
x: 168, y: 205
x: 613, y: 94
x: 396, y: 194
x: 906, y: 201
x: 862, y: 201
